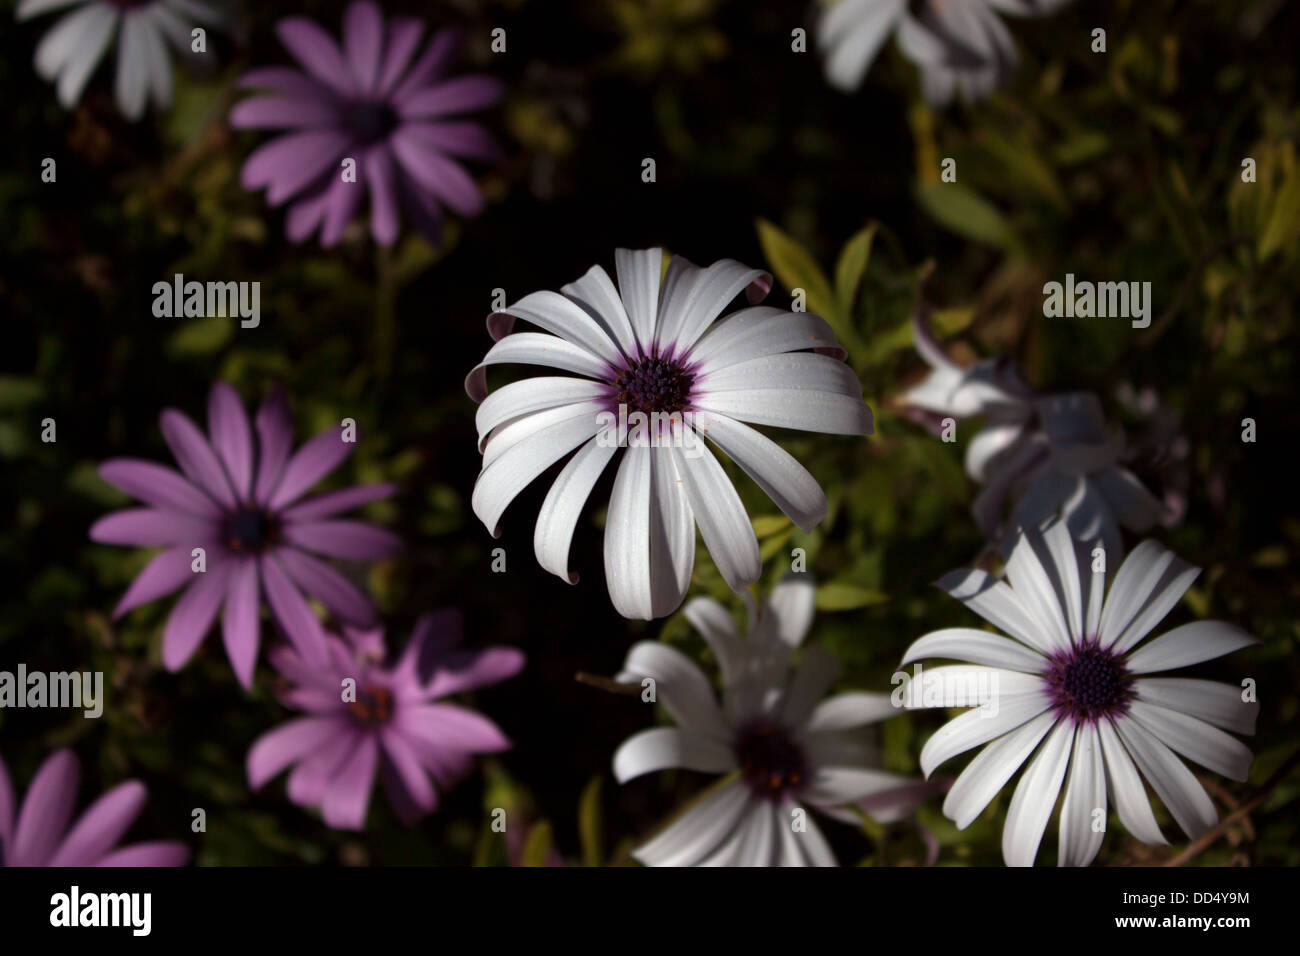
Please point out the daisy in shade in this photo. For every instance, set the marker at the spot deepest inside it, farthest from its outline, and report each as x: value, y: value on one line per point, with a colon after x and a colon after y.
x: 1039, y: 457
x: 397, y: 115
x: 71, y: 51
x: 1076, y: 700
x: 785, y: 747
x: 367, y: 717
x: 240, y: 499
x: 43, y: 833
x: 657, y: 359
x: 962, y: 47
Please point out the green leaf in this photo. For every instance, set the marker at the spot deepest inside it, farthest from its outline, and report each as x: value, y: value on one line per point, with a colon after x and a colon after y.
x: 538, y: 845
x: 838, y: 596
x: 16, y: 391
x: 1285, y: 221
x: 853, y: 262
x: 796, y: 269
x: 968, y: 214
x: 589, y: 823
x: 767, y: 525
x: 201, y: 336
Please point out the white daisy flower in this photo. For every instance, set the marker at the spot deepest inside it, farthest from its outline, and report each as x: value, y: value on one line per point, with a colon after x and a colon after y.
x: 961, y: 47
x: 1039, y: 457
x: 786, y: 748
x: 660, y: 371
x: 69, y: 53
x: 1071, y: 687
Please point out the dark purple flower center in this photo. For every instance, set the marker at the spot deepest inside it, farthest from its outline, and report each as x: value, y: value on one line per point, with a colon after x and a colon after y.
x: 369, y: 120
x: 373, y: 706
x: 1088, y: 682
x: 250, y: 531
x: 654, y: 385
x: 771, y: 761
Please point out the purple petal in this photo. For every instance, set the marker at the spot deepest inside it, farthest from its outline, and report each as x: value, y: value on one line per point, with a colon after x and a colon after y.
x: 444, y: 178
x: 309, y: 779
x: 275, y: 441
x: 288, y: 81
x: 282, y: 112
x: 156, y: 854
x: 293, y: 612
x: 317, y: 52
x: 466, y: 670
x: 455, y: 728
x: 328, y: 586
x: 422, y: 209
x: 459, y: 95
x: 46, y: 811
x: 380, y: 173
x: 287, y: 744
x: 347, y: 796
x: 157, y: 485
x: 435, y: 60
x: 196, y: 457
x: 306, y: 215
x: 8, y: 805
x: 341, y: 204
x: 363, y: 40
x: 404, y: 35
x: 463, y: 138
x: 163, y: 574
x: 288, y: 164
x: 416, y: 790
x: 192, y: 617
x: 309, y: 464
x: 350, y: 540
x: 241, y: 629
x: 433, y: 638
x: 102, y: 825
x: 331, y: 503
x: 151, y: 528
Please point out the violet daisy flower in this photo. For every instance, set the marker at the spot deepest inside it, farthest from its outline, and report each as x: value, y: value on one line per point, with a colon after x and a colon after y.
x: 661, y: 371
x: 43, y: 833
x: 961, y: 47
x: 241, y: 500
x: 70, y: 51
x: 376, y: 103
x: 783, y: 744
x: 1072, y: 688
x: 366, y: 717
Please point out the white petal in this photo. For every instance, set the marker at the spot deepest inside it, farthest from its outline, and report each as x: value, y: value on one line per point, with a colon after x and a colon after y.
x: 850, y: 710
x: 1035, y: 798
x: 771, y: 467
x: 1176, y: 786
x: 760, y: 838
x: 558, y: 516
x: 994, y: 601
x: 762, y: 330
x: 554, y: 313
x: 512, y: 471
x: 662, y: 748
x: 817, y: 672
x: 1195, y: 739
x: 1032, y: 584
x: 992, y: 767
x: 639, y: 274
x: 837, y: 786
x: 812, y: 845
x: 989, y: 442
x: 1131, y: 587
x: 1187, y: 645
x: 699, y: 831
x: 627, y: 536
x: 132, y: 83
x: 1085, y: 794
x: 507, y: 436
x: 1136, y: 508
x: 595, y: 292
x: 533, y: 395
x: 715, y: 623
x: 672, y: 536
x: 788, y: 613
x: 980, y: 725
x: 1126, y: 789
x: 680, y: 687
x: 1211, y: 701
x: 724, y: 524
x: 534, y: 348
x: 691, y: 298
x: 1163, y: 595
x: 785, y: 370
x: 1066, y: 580
x: 159, y: 63
x: 34, y: 8
x: 829, y: 413
x: 74, y: 47
x: 977, y: 647
x: 856, y: 46
x: 964, y: 685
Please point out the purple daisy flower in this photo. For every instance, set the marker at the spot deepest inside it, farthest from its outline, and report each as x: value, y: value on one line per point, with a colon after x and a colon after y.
x: 366, y: 717
x: 239, y: 500
x: 39, y: 833
x: 377, y: 104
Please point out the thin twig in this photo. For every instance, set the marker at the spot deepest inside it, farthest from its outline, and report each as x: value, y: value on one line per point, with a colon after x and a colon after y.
x: 605, y: 683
